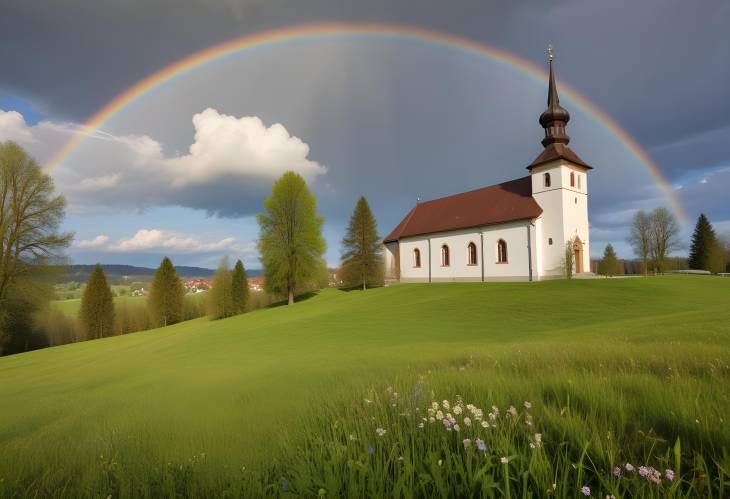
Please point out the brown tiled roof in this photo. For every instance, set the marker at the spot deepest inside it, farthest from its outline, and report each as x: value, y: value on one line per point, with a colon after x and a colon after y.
x: 486, y: 206
x: 558, y: 151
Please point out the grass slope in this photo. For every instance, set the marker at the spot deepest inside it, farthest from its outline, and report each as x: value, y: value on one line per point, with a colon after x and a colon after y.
x: 652, y: 349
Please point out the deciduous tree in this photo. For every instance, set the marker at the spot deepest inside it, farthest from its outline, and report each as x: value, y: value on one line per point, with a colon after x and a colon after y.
x: 640, y: 238
x: 290, y: 240
x: 97, y: 306
x: 664, y: 231
x: 167, y: 295
x: 362, y: 253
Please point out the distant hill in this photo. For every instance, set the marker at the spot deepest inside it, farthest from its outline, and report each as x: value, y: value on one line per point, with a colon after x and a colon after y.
x: 115, y: 272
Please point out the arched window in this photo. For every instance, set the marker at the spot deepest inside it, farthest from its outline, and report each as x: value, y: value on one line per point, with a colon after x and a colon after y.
x: 445, y: 262
x: 578, y: 181
x: 501, y: 251
x: 472, y: 254
x: 546, y: 176
x: 416, y: 257
x: 572, y: 179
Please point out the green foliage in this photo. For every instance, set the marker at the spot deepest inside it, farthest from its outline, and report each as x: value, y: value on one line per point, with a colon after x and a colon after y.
x: 97, y: 306
x: 569, y: 259
x: 200, y: 410
x: 362, y: 253
x: 640, y: 238
x: 167, y: 295
x: 239, y: 288
x: 30, y: 216
x: 220, y: 296
x: 653, y: 236
x: 704, y: 242
x: 290, y: 239
x: 610, y: 265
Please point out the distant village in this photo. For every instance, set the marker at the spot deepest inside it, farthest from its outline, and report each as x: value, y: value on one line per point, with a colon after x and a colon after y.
x: 194, y: 285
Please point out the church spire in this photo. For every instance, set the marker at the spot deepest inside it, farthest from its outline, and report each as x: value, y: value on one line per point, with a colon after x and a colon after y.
x: 555, y: 117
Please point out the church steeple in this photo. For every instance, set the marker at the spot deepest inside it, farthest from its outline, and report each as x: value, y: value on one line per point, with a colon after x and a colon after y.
x: 555, y: 117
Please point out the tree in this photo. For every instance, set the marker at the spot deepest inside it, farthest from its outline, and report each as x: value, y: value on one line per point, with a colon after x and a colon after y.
x: 220, y: 296
x: 30, y: 216
x: 239, y: 288
x: 703, y: 245
x: 97, y: 306
x: 609, y: 265
x: 362, y: 254
x: 568, y: 259
x: 290, y: 240
x: 167, y: 295
x: 640, y: 238
x: 719, y: 256
x: 664, y: 230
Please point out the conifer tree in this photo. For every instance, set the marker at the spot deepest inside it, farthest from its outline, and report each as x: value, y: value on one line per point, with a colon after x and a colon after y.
x: 610, y: 265
x: 167, y: 295
x: 290, y: 238
x: 704, y: 241
x: 362, y: 254
x: 220, y: 297
x: 97, y: 306
x: 240, y: 288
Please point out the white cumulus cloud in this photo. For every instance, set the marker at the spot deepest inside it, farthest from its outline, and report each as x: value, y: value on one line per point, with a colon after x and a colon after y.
x: 160, y: 240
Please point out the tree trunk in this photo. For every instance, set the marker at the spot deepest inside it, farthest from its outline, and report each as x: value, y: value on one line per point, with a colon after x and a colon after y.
x: 291, y: 294
x: 363, y: 286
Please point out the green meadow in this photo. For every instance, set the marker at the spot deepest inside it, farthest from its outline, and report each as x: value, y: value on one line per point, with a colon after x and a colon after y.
x: 286, y: 401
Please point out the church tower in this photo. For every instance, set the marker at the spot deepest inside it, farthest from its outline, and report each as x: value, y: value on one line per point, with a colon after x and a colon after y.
x: 560, y: 187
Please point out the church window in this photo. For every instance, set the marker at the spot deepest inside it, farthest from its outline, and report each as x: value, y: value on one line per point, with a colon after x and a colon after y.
x: 572, y: 179
x: 472, y: 254
x: 501, y: 251
x: 445, y: 261
x: 547, y: 179
x: 416, y: 257
x: 578, y: 181
x: 550, y: 241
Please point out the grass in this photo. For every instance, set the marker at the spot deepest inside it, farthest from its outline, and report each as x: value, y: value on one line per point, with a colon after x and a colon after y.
x: 616, y: 370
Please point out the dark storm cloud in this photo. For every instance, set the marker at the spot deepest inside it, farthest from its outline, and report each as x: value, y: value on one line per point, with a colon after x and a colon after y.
x: 660, y: 67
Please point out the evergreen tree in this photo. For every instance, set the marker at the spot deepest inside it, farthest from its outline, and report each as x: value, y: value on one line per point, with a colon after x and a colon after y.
x: 167, y: 295
x: 704, y: 241
x: 97, y: 306
x: 362, y: 254
x: 220, y: 297
x: 610, y: 265
x: 240, y: 288
x: 290, y: 239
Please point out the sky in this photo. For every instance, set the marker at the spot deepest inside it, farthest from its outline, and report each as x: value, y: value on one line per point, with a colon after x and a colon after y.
x: 183, y: 169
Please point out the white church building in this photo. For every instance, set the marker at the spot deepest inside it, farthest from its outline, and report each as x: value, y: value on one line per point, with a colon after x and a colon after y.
x: 516, y: 230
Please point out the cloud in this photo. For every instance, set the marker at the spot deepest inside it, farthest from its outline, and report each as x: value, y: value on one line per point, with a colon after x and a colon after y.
x: 227, y: 171
x: 160, y: 240
x: 99, y: 241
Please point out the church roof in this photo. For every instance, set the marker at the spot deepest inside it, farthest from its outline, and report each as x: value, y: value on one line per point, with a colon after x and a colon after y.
x: 558, y: 151
x: 495, y: 204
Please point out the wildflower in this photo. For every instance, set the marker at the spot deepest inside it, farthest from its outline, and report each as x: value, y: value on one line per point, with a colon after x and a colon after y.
x: 440, y: 462
x: 431, y: 420
x: 435, y: 406
x: 467, y: 422
x: 611, y: 497
x: 585, y: 490
x: 446, y: 405
x: 457, y: 409
x: 467, y: 443
x: 654, y: 476
x: 512, y: 411
x: 485, y: 424
x: 352, y: 437
x: 439, y: 415
x: 447, y: 423
x: 481, y: 446
x: 528, y: 405
x: 456, y: 428
x: 643, y: 471
x: 537, y: 438
x: 368, y: 401
x: 617, y: 471
x: 629, y: 467
x: 380, y: 431
x: 528, y: 420
x: 400, y: 458
x: 503, y: 460
x: 669, y: 474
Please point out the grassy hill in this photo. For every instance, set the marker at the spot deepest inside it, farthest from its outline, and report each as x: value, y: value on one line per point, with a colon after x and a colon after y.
x: 71, y: 306
x: 194, y: 407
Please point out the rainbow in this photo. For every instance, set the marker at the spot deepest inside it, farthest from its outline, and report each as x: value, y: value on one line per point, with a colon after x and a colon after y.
x: 341, y: 29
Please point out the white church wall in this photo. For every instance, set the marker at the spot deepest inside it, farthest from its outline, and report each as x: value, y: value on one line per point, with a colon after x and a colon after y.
x: 458, y: 268
x: 408, y: 270
x: 517, y: 266
x: 390, y: 257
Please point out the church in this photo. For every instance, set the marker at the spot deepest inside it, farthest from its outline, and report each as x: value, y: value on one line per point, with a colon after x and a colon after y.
x: 514, y: 231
